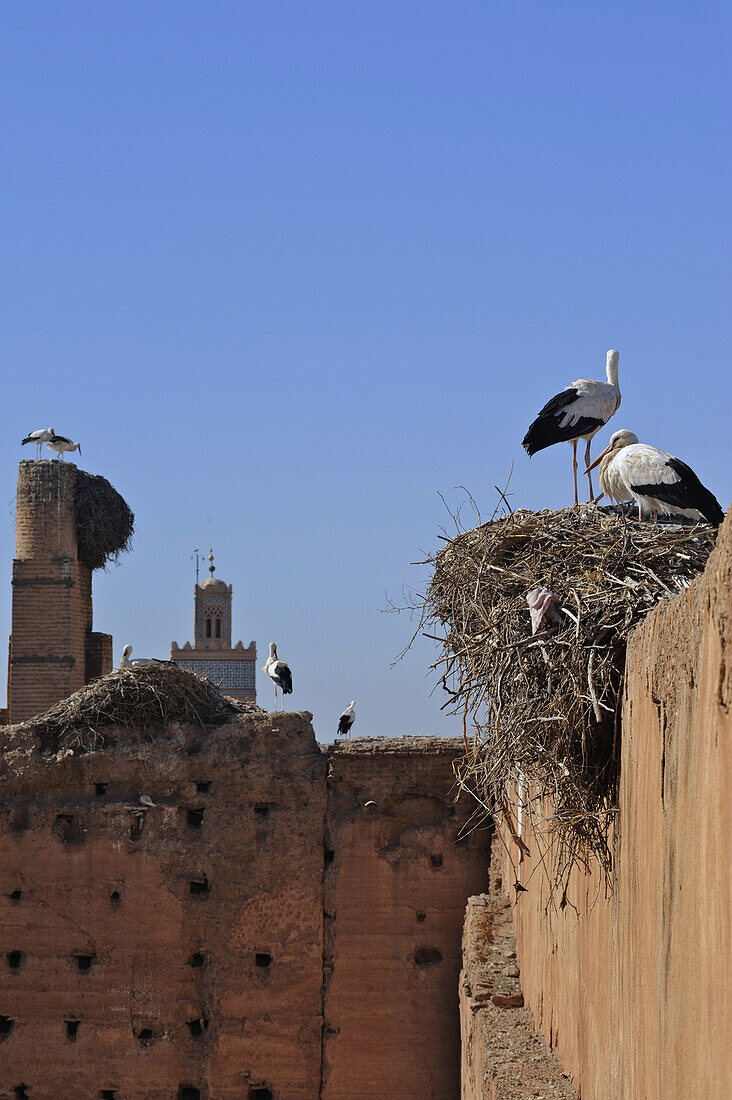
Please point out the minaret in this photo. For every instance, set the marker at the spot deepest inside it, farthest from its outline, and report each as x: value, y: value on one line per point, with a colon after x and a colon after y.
x: 212, y: 654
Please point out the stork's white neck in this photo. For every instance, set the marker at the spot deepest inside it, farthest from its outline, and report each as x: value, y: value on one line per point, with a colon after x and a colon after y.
x: 611, y: 369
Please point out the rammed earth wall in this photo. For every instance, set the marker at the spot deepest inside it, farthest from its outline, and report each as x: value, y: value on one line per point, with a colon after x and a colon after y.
x: 632, y: 991
x: 264, y: 930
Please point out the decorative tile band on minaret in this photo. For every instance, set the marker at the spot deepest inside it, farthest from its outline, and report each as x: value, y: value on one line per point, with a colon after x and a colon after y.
x: 212, y: 654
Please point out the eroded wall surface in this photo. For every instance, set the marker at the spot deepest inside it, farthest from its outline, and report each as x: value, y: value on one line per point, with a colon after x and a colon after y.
x: 397, y: 880
x: 172, y: 950
x: 502, y: 1057
x: 633, y: 991
x: 176, y: 950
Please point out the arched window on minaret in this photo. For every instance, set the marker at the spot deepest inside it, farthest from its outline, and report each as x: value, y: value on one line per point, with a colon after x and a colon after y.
x: 212, y: 652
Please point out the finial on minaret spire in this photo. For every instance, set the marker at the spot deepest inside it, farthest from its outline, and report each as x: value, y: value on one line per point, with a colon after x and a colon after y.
x: 211, y: 567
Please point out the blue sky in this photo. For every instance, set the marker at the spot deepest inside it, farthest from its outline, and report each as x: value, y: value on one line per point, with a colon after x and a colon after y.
x: 288, y: 270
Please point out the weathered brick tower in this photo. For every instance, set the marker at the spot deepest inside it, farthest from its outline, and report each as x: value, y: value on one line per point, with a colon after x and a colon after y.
x: 68, y: 523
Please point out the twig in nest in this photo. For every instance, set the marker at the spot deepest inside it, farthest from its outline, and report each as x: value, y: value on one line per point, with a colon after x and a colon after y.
x: 547, y: 707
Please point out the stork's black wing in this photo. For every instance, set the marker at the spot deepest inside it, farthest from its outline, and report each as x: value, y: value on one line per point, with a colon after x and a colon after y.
x: 284, y: 677
x: 547, y: 428
x: 344, y: 723
x: 687, y: 492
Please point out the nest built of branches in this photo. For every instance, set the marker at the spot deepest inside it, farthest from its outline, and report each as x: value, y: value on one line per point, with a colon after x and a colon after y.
x: 144, y: 699
x: 544, y: 709
x: 104, y: 522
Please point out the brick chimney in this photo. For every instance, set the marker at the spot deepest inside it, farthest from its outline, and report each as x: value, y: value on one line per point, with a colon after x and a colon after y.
x: 53, y: 650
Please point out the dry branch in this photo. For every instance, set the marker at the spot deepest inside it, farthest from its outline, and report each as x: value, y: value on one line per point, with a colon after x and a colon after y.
x: 143, y: 698
x: 546, y: 708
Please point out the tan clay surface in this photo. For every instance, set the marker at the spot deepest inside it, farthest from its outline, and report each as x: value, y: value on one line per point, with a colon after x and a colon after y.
x: 395, y: 895
x: 633, y: 991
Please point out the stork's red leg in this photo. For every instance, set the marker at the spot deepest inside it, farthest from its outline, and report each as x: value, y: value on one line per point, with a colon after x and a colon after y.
x: 589, y: 473
x: 574, y: 468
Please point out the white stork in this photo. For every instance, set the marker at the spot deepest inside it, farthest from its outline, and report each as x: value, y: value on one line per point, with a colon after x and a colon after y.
x: 125, y: 661
x: 656, y: 480
x: 61, y: 443
x: 577, y: 413
x: 347, y: 718
x: 279, y: 673
x: 39, y: 437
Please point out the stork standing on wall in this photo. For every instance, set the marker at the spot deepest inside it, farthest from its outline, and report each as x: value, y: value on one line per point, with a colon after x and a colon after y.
x: 656, y: 480
x: 577, y: 413
x: 347, y: 718
x: 279, y: 673
x: 39, y: 437
x: 61, y: 443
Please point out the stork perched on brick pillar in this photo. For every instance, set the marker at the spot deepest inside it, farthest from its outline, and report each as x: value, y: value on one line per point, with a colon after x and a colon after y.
x: 577, y: 413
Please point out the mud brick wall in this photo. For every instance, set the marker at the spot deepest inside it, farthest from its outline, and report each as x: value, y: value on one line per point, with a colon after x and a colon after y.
x: 178, y: 950
x: 397, y: 877
x: 632, y: 990
x: 52, y: 594
x: 172, y: 951
x: 502, y: 1056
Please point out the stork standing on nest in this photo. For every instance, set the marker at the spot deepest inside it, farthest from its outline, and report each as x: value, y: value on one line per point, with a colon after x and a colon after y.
x: 39, y: 438
x: 346, y: 720
x: 577, y: 413
x: 61, y: 443
x: 279, y: 673
x: 655, y: 480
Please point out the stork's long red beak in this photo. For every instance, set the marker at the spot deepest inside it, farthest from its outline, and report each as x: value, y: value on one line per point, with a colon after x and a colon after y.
x: 599, y: 459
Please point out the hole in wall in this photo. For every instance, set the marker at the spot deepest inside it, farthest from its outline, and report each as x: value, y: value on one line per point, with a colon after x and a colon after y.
x: 67, y: 829
x: 196, y: 959
x: 15, y: 959
x: 21, y: 1092
x: 115, y: 899
x: 262, y: 808
x: 199, y: 886
x: 19, y: 819
x: 436, y: 859
x: 84, y: 962
x: 260, y: 1092
x: 108, y: 1094
x: 263, y: 959
x: 6, y: 1026
x: 49, y: 741
x: 187, y: 1092
x: 194, y: 818
x: 15, y: 895
x: 203, y: 785
x: 147, y: 1035
x: 136, y: 824
x: 197, y: 1026
x: 72, y: 1029
x: 427, y: 956
x: 100, y: 789
x: 421, y: 917
x: 328, y: 855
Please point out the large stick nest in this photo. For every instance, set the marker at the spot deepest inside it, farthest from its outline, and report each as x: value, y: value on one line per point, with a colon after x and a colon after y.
x: 144, y: 698
x: 545, y: 709
x: 104, y: 522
